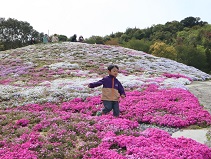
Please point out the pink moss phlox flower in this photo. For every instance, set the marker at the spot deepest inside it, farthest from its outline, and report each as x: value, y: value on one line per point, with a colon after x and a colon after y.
x: 78, y: 105
x: 170, y: 107
x: 176, y: 76
x: 159, y: 79
x: 37, y: 127
x: 110, y: 123
x: 24, y: 149
x: 5, y: 81
x: 16, y: 151
x: 152, y: 143
x: 124, y: 72
x: 22, y: 122
x: 102, y: 153
x: 31, y: 108
x: 66, y: 116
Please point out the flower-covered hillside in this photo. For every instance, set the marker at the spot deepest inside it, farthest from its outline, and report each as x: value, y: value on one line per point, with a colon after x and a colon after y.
x: 48, y: 111
x: 48, y: 73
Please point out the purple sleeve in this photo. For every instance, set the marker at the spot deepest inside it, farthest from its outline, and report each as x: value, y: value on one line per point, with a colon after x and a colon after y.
x: 96, y: 84
x: 121, y: 89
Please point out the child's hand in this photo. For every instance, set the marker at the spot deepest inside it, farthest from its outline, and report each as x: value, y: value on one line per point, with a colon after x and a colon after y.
x: 123, y: 96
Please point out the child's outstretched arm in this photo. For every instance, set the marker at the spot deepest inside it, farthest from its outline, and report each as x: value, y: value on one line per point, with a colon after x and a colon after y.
x: 96, y: 84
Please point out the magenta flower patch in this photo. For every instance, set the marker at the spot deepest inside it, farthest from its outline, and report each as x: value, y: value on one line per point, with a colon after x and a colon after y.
x: 22, y: 122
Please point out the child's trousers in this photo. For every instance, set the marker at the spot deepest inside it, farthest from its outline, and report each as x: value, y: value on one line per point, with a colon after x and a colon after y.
x: 109, y: 105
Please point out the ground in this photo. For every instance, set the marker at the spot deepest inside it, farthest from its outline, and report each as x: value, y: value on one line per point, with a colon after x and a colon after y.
x: 202, y: 90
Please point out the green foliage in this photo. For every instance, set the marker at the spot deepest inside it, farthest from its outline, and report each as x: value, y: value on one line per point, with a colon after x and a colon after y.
x: 1, y: 46
x: 139, y: 34
x: 190, y: 37
x: 191, y: 56
x: 163, y: 50
x: 208, y: 58
x: 118, y: 34
x: 112, y: 41
x: 124, y: 38
x: 14, y: 33
x: 62, y: 38
x: 95, y: 40
x: 141, y: 45
x: 192, y: 21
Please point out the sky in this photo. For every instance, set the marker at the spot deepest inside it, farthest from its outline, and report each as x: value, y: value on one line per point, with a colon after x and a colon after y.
x: 101, y: 17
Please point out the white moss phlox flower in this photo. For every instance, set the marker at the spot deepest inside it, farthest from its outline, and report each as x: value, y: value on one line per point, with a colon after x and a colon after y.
x: 63, y: 65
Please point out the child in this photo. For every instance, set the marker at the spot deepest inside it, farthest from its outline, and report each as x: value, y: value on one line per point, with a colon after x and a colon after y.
x: 111, y: 92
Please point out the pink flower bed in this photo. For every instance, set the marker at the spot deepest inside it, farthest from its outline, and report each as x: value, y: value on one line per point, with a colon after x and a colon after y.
x: 152, y: 143
x: 71, y: 129
x: 170, y: 107
x: 169, y: 75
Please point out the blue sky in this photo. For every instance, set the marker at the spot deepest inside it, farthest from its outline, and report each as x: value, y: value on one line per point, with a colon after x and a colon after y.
x: 101, y: 17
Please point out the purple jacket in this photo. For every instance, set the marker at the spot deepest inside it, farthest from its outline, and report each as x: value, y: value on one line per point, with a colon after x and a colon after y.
x: 112, y: 88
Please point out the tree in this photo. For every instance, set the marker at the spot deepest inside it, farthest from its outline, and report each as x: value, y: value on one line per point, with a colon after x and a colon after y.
x: 189, y: 37
x: 95, y: 40
x: 14, y: 33
x: 112, y: 41
x: 1, y: 46
x: 141, y: 45
x: 173, y: 27
x: 208, y: 58
x: 118, y: 34
x: 161, y: 49
x: 192, y: 21
x: 130, y: 32
x: 62, y: 38
x: 124, y: 38
x: 139, y: 34
x: 191, y: 56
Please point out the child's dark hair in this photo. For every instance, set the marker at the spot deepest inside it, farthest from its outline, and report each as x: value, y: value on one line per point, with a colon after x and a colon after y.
x: 110, y: 67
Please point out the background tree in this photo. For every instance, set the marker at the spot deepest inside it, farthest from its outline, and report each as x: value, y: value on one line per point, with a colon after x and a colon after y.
x: 141, y: 45
x: 95, y: 40
x: 118, y: 34
x: 16, y: 33
x: 192, y: 21
x: 139, y: 34
x: 1, y: 46
x: 124, y: 38
x: 163, y: 50
x: 62, y: 38
x: 191, y: 56
x: 208, y: 58
x: 112, y: 41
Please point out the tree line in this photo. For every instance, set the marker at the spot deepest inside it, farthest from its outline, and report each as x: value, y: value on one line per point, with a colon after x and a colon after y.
x: 187, y: 41
x: 16, y: 34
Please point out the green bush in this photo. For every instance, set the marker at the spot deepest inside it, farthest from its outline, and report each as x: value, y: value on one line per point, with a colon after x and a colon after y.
x: 140, y: 45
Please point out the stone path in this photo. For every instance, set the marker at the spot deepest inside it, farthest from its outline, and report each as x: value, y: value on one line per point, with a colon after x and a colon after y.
x: 202, y: 90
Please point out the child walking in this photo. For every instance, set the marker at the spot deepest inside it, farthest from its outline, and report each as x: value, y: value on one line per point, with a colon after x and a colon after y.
x: 111, y: 92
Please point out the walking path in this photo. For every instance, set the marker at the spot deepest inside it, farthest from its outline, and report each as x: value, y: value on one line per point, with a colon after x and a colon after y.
x: 202, y: 90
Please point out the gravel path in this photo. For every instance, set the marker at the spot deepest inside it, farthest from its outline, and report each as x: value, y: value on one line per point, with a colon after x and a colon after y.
x: 202, y: 90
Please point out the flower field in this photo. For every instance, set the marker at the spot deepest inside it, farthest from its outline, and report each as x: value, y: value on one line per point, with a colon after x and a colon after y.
x: 48, y: 112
